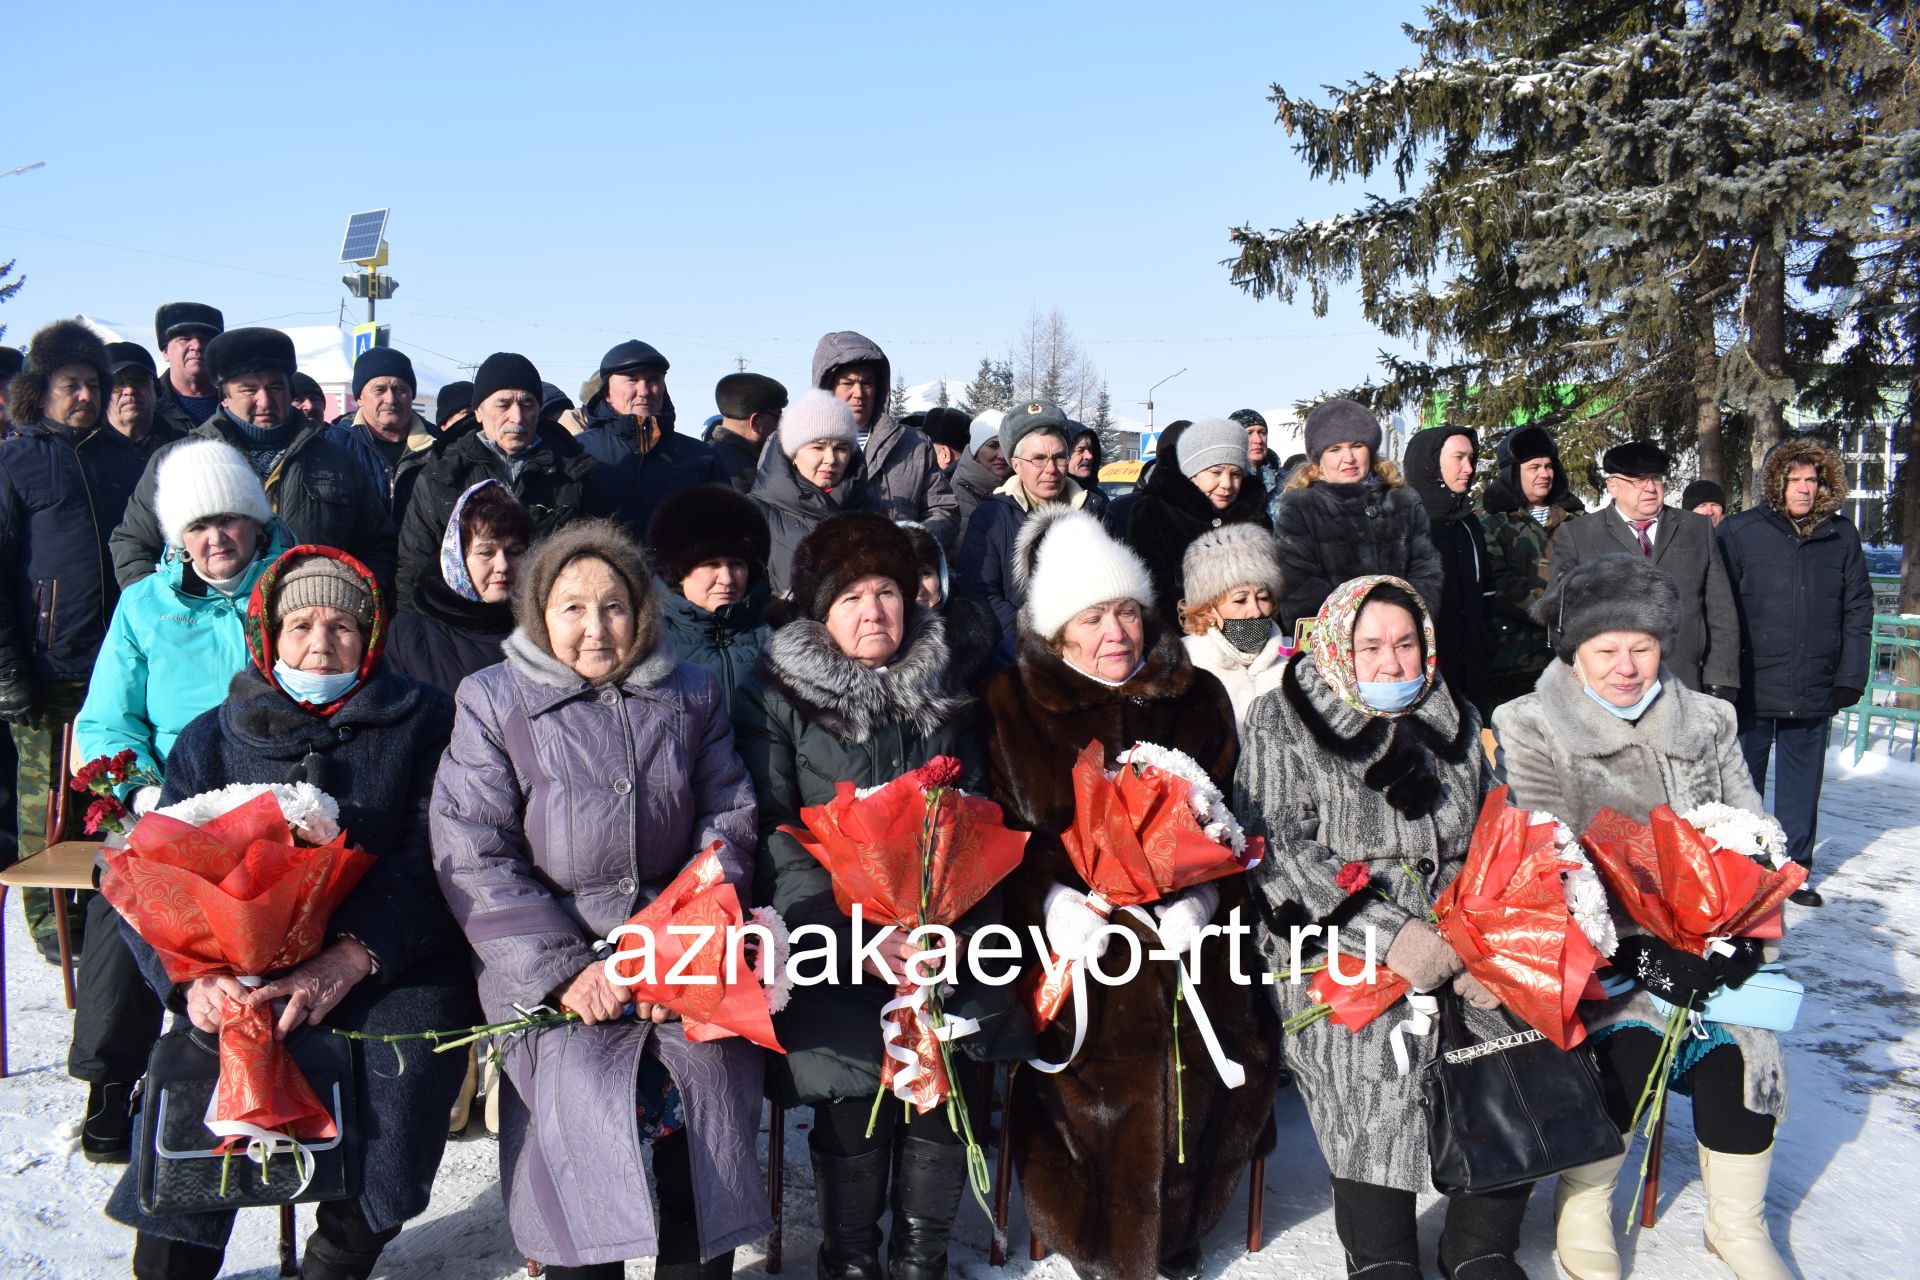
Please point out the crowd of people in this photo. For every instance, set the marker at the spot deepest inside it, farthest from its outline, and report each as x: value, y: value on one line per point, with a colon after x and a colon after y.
x: 544, y: 654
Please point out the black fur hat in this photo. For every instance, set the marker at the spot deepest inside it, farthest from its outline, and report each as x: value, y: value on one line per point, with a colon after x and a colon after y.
x: 238, y: 352
x: 706, y: 522
x: 194, y: 317
x: 845, y: 548
x: 12, y: 360
x: 61, y: 343
x: 741, y: 395
x: 1612, y: 593
x: 948, y: 426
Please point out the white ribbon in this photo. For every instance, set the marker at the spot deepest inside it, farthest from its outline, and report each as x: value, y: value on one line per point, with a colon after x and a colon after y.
x: 1075, y: 967
x: 1418, y: 1022
x: 950, y: 1028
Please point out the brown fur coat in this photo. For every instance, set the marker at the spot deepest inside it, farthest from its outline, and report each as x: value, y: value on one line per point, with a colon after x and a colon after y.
x: 1095, y: 1145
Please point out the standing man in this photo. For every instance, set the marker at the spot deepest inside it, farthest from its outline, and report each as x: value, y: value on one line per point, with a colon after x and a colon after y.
x: 64, y: 480
x: 903, y: 477
x: 186, y: 396
x: 1806, y: 621
x: 320, y: 491
x: 946, y: 429
x: 131, y: 399
x: 1266, y: 467
x: 1705, y: 498
x: 630, y: 432
x: 1039, y: 440
x: 309, y: 397
x: 750, y: 405
x: 1521, y: 512
x: 385, y: 428
x: 1706, y: 656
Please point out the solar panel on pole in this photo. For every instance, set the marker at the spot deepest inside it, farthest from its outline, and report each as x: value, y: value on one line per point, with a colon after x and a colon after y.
x: 363, y: 236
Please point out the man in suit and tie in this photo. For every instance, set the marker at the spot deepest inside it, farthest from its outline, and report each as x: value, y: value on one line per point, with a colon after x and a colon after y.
x: 1706, y: 656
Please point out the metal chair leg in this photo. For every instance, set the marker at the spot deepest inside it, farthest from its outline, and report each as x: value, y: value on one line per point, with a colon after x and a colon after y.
x: 289, y: 1262
x: 63, y: 933
x: 3, y: 981
x: 1256, y: 1202
x: 776, y: 1185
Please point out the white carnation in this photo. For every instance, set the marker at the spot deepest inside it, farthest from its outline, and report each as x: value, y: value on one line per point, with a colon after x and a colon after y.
x: 1209, y: 806
x: 1754, y: 835
x: 1580, y: 884
x: 770, y: 966
x: 312, y: 813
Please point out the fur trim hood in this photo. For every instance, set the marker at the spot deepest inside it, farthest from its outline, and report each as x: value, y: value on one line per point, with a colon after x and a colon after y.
x: 1792, y: 452
x: 852, y: 700
x: 1058, y: 689
x: 61, y: 343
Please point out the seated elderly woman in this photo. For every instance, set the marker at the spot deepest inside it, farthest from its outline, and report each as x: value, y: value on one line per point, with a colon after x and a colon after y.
x: 854, y: 689
x: 1098, y: 1145
x: 176, y: 639
x: 1609, y: 726
x: 461, y: 614
x: 1232, y: 579
x: 585, y: 772
x: 317, y: 705
x: 1365, y: 755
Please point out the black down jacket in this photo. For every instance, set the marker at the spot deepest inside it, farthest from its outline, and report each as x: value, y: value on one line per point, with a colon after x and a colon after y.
x: 1332, y: 533
x: 638, y: 478
x: 1463, y: 626
x: 1171, y: 512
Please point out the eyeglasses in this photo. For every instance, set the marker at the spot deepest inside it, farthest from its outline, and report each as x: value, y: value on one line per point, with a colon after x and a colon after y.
x: 1046, y: 461
x: 1642, y: 483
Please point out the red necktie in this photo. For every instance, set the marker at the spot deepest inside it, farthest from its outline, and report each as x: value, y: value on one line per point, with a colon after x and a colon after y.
x: 1640, y: 528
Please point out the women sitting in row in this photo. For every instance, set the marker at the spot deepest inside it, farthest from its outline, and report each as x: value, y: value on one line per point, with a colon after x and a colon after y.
x: 585, y: 772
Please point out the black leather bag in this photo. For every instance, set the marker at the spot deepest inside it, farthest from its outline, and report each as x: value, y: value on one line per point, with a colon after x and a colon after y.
x: 179, y: 1170
x: 1509, y: 1111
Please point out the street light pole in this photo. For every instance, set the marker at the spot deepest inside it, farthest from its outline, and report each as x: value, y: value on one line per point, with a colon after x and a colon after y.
x: 1155, y: 387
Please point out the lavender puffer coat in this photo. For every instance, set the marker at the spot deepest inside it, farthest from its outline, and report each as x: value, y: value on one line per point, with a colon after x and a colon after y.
x: 560, y: 809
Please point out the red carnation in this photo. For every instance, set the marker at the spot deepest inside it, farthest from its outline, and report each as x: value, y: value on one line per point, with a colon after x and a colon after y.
x: 102, y: 811
x: 83, y: 777
x: 1353, y: 877
x: 118, y: 766
x: 941, y: 771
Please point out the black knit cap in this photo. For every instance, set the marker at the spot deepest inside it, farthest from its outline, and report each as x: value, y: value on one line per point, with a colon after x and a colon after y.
x: 178, y: 319
x: 741, y: 395
x: 505, y: 371
x: 1250, y: 418
x: 706, y: 522
x: 948, y: 426
x: 129, y: 355
x: 451, y: 399
x: 305, y: 388
x: 1702, y: 491
x: 383, y: 362
x: 1634, y: 459
x: 238, y: 352
x: 631, y: 355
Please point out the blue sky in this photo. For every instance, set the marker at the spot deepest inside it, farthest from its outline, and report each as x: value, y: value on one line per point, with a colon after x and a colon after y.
x: 722, y: 180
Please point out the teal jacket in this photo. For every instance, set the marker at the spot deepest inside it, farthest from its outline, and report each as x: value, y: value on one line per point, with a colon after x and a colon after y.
x: 167, y: 657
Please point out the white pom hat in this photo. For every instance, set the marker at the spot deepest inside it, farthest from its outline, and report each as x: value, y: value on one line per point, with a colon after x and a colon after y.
x: 816, y: 415
x: 202, y: 478
x: 1065, y: 562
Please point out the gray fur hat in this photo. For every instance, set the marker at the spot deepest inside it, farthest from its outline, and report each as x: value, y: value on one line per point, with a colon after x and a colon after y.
x: 1612, y: 593
x: 1234, y: 555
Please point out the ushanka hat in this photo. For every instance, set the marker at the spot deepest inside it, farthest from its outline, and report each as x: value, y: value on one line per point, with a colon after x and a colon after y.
x: 706, y: 522
x: 182, y: 319
x: 238, y: 352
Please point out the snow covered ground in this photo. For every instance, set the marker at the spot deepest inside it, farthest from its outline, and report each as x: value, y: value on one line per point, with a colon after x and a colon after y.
x: 1847, y: 1163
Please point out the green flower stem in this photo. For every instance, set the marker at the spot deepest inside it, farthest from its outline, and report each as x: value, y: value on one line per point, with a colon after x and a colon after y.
x: 1653, y: 1101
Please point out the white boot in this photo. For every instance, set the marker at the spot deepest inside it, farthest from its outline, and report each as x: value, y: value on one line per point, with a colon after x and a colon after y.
x: 1737, y: 1214
x: 1583, y: 1220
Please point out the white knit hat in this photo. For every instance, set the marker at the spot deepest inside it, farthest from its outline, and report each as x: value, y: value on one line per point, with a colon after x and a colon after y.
x: 1210, y: 442
x: 986, y: 426
x: 1234, y: 555
x: 1065, y: 561
x: 202, y: 478
x: 816, y: 415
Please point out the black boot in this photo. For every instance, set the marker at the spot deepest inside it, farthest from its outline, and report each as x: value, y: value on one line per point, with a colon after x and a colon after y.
x: 1481, y: 1235
x: 1376, y: 1229
x: 342, y: 1246
x: 852, y: 1194
x: 678, y: 1257
x: 927, y: 1185
x: 1183, y: 1264
x: 597, y: 1271
x: 158, y: 1258
x: 106, y: 1136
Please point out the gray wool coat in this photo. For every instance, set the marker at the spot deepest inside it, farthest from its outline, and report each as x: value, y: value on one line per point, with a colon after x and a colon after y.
x: 1707, y: 650
x: 1302, y: 784
x: 560, y: 809
x: 1562, y: 753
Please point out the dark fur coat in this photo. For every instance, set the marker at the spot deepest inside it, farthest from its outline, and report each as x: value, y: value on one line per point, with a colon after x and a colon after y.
x: 1095, y: 1144
x: 1332, y: 533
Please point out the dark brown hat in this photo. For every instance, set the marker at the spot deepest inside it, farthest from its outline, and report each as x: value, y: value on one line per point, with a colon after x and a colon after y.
x: 844, y: 549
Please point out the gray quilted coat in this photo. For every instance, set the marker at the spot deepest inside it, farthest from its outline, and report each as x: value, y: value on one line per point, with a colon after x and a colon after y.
x: 560, y: 809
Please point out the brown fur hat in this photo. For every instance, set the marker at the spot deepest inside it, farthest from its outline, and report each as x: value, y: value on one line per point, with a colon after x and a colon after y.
x: 706, y: 522
x: 845, y: 548
x: 587, y: 539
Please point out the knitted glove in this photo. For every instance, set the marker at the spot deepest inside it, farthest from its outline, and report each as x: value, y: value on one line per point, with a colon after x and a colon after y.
x: 1421, y: 956
x: 1474, y: 992
x: 1071, y: 924
x: 1182, y: 918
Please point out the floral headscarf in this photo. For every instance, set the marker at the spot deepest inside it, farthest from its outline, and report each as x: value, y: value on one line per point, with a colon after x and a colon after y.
x: 1333, y: 640
x: 261, y: 638
x: 453, y: 552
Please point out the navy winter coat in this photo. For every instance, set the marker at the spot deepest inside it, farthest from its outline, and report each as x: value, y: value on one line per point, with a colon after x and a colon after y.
x: 637, y: 480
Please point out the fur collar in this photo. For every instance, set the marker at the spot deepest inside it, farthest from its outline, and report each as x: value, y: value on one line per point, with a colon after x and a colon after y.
x: 1058, y: 689
x: 542, y: 668
x: 851, y: 700
x: 1669, y: 725
x: 258, y: 711
x: 1402, y: 751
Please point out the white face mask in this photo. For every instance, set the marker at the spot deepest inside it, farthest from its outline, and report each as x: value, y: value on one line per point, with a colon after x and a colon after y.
x: 315, y: 688
x: 1633, y: 712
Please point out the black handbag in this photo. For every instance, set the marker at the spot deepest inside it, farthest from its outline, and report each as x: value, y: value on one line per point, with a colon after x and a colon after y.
x: 179, y: 1170
x: 1509, y: 1111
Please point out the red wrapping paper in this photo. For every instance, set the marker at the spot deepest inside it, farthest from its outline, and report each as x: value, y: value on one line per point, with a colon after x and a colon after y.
x: 238, y: 897
x: 1354, y: 1006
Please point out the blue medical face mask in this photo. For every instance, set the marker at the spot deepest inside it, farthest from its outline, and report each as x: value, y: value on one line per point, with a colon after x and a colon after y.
x: 1391, y: 695
x: 315, y: 688
x: 1633, y: 712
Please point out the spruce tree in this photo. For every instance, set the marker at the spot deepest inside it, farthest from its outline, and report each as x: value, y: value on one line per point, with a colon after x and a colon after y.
x: 8, y: 287
x: 1606, y: 214
x: 897, y: 400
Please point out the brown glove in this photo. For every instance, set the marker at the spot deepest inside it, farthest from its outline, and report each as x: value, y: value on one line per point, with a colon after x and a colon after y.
x: 1421, y: 956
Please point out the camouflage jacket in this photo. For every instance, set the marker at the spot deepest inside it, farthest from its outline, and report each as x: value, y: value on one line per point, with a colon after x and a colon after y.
x: 1521, y: 549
